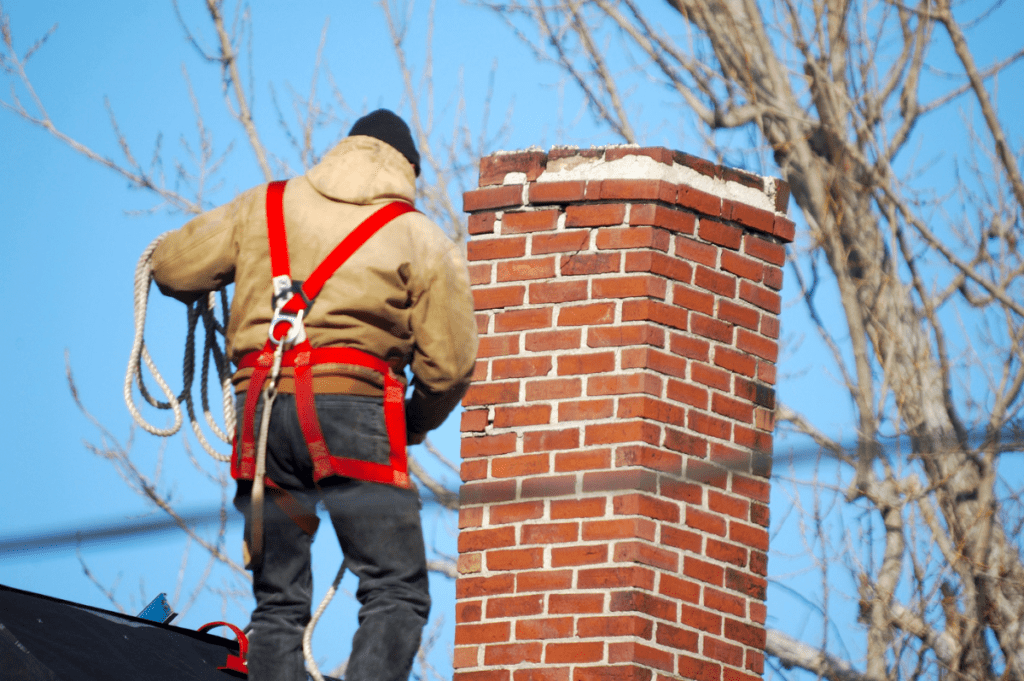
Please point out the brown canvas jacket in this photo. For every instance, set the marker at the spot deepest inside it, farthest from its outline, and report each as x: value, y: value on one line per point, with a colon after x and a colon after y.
x: 403, y: 296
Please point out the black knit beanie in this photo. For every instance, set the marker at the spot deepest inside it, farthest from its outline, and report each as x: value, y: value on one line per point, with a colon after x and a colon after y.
x: 389, y: 128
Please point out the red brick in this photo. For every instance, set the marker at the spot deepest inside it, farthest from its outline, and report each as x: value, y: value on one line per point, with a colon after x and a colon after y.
x: 630, y: 189
x: 488, y: 445
x: 674, y: 637
x: 614, y: 625
x: 512, y: 653
x: 621, y: 384
x: 680, y: 589
x: 467, y: 656
x: 687, y: 393
x: 639, y: 552
x: 481, y: 223
x: 497, y: 346
x: 723, y: 602
x: 629, y: 287
x: 728, y: 505
x: 649, y: 408
x: 749, y: 535
x: 510, y: 417
x: 492, y: 197
x: 755, y: 587
x: 636, y: 577
x: 520, y: 367
x: 660, y: 264
x: 720, y: 234
x: 733, y: 409
x: 480, y: 273
x: 474, y: 420
x: 710, y: 376
x: 742, y: 266
x: 468, y: 611
x: 619, y: 335
x: 531, y: 221
x: 589, y: 363
x: 548, y: 486
x: 547, y: 627
x: 483, y: 322
x: 487, y: 492
x: 692, y: 250
x: 773, y: 278
x: 595, y: 215
x: 762, y: 249
x: 724, y: 652
x: 784, y: 229
x: 651, y: 507
x: 716, y: 282
x: 684, y: 442
x: 604, y: 672
x: 575, y: 652
x: 576, y: 604
x: 655, y: 458
x: 561, y: 339
x: 710, y: 328
x: 577, y: 508
x: 659, y: 154
x: 489, y: 538
x: 489, y: 632
x: 645, y: 309
x: 549, y: 533
x: 550, y: 440
x: 638, y: 653
x: 747, y: 317
x: 518, y: 320
x: 579, y: 264
x: 688, y: 346
x: 506, y: 296
x: 619, y: 528
x: 493, y: 168
x: 558, y: 292
x: 501, y: 514
x: 651, y: 358
x: 697, y: 669
x: 486, y: 675
x: 476, y: 587
x: 700, y: 201
x: 471, y: 517
x: 526, y: 269
x: 585, y: 410
x: 760, y: 514
x: 758, y: 612
x: 541, y: 674
x: 623, y: 431
x: 588, y: 459
x: 681, y: 539
x: 765, y: 348
x: 705, y: 522
x: 543, y: 580
x: 560, y: 242
x: 516, y: 466
x: 515, y: 559
x: 556, y: 192
x: 611, y: 238
x: 584, y: 554
x: 553, y: 389
x: 662, y: 216
x: 473, y: 470
x: 766, y: 372
x: 637, y: 601
x: 755, y: 218
x: 693, y: 299
x: 500, y: 247
x: 586, y: 315
x: 703, y: 571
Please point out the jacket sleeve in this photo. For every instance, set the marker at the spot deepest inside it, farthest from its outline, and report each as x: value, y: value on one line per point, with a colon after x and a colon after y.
x: 200, y: 256
x: 444, y: 328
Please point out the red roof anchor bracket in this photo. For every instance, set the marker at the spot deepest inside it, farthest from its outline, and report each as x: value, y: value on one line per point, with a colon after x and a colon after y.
x: 235, y: 663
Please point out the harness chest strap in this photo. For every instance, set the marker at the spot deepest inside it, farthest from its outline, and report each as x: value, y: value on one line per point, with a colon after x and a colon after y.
x: 303, y: 357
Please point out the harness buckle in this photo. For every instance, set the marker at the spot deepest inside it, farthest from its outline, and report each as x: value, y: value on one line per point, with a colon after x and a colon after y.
x: 296, y: 332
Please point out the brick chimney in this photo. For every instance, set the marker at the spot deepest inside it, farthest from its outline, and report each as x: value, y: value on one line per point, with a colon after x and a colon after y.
x: 616, y: 444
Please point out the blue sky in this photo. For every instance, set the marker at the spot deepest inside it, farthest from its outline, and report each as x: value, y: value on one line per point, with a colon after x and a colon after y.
x: 70, y: 248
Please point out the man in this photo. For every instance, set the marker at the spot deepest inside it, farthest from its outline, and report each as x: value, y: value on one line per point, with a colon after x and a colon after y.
x: 400, y: 299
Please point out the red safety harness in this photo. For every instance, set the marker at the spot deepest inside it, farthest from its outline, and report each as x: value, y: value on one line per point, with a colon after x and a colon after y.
x: 286, y: 327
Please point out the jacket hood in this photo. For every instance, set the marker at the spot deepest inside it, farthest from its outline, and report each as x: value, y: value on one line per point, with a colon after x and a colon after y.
x: 363, y: 170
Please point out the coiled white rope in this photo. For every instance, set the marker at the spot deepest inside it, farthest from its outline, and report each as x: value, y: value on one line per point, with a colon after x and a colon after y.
x: 307, y: 635
x: 139, y: 355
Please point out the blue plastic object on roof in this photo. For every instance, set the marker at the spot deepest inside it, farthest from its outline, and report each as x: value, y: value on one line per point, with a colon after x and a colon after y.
x: 159, y: 610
